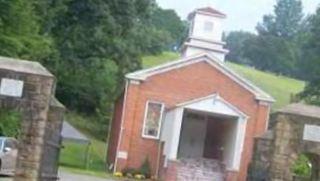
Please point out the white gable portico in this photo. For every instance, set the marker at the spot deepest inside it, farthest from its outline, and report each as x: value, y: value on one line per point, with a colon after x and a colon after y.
x: 213, y: 105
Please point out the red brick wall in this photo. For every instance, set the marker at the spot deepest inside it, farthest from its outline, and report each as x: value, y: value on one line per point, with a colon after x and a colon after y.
x: 170, y: 173
x: 115, y: 131
x: 178, y: 86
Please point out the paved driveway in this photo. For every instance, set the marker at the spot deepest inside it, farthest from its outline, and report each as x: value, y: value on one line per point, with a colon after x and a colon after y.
x: 67, y: 176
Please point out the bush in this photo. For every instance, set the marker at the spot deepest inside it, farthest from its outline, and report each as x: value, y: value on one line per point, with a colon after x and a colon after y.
x: 145, y: 168
x: 10, y: 123
x: 302, y: 166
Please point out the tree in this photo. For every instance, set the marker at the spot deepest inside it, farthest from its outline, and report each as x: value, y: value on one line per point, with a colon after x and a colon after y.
x: 269, y: 53
x: 280, y: 37
x: 97, y: 42
x: 311, y: 52
x: 167, y: 20
x: 285, y: 23
x: 19, y: 32
x: 96, y: 46
x: 88, y: 44
x: 236, y: 44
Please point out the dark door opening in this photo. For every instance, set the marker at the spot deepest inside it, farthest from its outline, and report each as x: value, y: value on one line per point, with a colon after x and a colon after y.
x: 207, y: 136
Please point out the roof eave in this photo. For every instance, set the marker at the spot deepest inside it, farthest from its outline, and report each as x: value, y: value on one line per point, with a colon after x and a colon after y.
x: 270, y: 100
x: 224, y: 51
x: 211, y: 14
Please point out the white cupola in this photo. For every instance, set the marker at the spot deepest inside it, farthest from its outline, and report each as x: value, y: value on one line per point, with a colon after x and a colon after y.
x: 205, y: 34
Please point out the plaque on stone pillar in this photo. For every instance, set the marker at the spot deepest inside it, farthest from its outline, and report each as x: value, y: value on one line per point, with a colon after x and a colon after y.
x: 311, y: 133
x: 11, y: 87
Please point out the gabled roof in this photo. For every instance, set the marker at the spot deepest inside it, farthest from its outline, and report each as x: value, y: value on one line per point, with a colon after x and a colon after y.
x: 209, y: 11
x: 211, y: 102
x: 211, y: 60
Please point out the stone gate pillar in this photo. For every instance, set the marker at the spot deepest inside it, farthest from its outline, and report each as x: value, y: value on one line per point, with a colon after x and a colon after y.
x: 295, y: 130
x: 27, y: 87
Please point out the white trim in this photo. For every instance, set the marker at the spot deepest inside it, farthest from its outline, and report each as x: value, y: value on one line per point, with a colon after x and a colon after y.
x: 206, y: 40
x: 122, y: 123
x: 240, y: 139
x: 145, y: 119
x: 135, y: 82
x: 142, y: 75
x: 214, y: 97
x: 259, y: 94
x: 224, y: 51
x: 145, y: 73
x: 197, y: 100
x: 264, y: 103
x: 177, y: 125
x: 173, y: 131
x: 218, y: 15
x: 268, y: 119
x: 211, y: 14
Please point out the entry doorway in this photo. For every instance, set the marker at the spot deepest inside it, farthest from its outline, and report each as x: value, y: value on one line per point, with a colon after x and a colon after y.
x: 207, y: 136
x: 218, y: 131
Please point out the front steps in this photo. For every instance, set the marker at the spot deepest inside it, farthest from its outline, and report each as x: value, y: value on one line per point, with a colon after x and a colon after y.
x: 200, y: 170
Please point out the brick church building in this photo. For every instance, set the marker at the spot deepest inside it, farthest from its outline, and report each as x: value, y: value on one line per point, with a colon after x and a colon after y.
x: 193, y: 118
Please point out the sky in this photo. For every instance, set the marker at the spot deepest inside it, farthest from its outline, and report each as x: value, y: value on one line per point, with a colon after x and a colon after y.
x: 242, y: 14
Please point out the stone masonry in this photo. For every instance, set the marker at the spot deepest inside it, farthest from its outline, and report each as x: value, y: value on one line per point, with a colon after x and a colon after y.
x: 28, y: 87
x: 277, y: 150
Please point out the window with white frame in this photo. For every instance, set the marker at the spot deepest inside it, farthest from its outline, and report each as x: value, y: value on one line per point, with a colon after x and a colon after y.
x: 152, y: 119
x: 208, y: 26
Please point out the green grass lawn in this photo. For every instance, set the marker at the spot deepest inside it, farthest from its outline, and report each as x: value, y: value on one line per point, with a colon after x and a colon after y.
x: 73, y: 155
x: 280, y: 87
x: 150, y: 61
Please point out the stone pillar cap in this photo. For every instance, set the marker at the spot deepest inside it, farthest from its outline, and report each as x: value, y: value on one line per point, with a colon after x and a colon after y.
x: 23, y: 66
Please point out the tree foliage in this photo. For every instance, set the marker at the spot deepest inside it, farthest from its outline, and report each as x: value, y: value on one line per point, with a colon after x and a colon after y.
x: 19, y: 31
x: 278, y: 45
x: 285, y: 22
x: 167, y: 20
x: 270, y: 53
x: 236, y: 44
x: 10, y: 123
x: 311, y: 54
x: 89, y: 45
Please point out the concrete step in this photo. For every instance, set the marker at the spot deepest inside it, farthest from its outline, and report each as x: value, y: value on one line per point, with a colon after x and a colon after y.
x: 200, y: 169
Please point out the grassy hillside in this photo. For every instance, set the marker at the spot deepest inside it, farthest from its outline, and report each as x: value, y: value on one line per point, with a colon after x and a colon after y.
x: 150, y: 61
x: 280, y: 87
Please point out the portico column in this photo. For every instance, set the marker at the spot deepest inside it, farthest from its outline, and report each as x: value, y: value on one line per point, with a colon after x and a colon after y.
x: 176, y: 133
